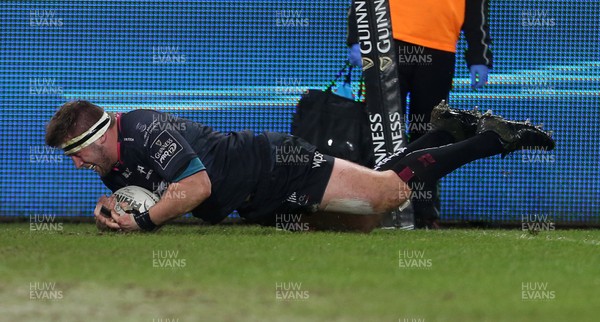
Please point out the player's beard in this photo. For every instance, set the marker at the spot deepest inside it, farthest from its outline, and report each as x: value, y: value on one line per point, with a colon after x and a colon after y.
x: 103, y: 165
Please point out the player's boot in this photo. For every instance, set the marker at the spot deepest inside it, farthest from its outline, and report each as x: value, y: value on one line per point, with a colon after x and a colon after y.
x: 516, y: 135
x: 461, y: 124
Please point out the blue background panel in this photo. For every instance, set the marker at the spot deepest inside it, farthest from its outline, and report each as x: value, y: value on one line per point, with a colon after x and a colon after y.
x: 243, y: 65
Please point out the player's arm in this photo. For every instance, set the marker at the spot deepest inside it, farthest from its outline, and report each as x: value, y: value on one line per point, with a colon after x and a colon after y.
x: 188, y: 190
x: 169, y: 153
x: 181, y: 197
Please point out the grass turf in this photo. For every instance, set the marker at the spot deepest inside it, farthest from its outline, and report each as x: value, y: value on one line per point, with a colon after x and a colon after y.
x: 242, y: 273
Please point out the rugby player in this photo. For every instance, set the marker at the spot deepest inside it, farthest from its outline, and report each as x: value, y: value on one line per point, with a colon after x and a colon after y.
x: 196, y: 169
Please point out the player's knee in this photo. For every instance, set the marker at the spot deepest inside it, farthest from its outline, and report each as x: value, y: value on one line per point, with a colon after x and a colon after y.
x: 385, y: 203
x: 392, y: 198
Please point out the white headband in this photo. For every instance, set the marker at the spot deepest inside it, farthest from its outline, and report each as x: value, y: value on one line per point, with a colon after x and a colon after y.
x: 88, y: 137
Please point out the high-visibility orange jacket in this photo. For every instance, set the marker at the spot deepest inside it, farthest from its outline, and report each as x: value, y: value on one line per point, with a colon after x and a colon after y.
x: 437, y: 24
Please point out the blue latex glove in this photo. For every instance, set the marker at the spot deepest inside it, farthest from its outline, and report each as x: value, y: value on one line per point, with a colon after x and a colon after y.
x: 354, y: 55
x: 479, y: 75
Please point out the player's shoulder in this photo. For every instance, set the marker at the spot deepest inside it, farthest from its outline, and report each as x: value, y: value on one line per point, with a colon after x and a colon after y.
x: 148, y: 117
x: 139, y: 120
x: 135, y: 125
x: 139, y: 116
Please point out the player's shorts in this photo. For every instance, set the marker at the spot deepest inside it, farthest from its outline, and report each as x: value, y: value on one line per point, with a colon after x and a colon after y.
x: 293, y: 183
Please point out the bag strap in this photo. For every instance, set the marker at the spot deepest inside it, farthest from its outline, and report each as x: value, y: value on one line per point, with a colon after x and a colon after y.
x: 339, y: 75
x: 348, y: 80
x: 361, y: 89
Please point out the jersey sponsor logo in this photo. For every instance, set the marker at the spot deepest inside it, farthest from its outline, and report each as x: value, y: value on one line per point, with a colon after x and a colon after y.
x: 292, y: 198
x: 301, y: 200
x: 147, y: 130
x: 126, y: 173
x: 164, y: 149
x: 168, y: 153
x: 317, y: 160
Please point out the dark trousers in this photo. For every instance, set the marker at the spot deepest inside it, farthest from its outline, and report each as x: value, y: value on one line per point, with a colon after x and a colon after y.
x: 425, y: 77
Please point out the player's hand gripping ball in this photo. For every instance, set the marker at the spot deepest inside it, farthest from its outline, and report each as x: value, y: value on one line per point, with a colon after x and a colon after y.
x: 133, y: 198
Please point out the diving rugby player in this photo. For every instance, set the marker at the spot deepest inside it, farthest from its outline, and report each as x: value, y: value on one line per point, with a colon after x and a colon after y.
x: 196, y: 169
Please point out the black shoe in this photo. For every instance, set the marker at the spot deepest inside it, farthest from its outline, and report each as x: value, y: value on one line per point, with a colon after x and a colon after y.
x: 426, y: 216
x: 516, y: 135
x: 461, y: 124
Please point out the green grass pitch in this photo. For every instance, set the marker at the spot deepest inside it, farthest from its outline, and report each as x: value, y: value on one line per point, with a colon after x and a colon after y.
x: 72, y: 272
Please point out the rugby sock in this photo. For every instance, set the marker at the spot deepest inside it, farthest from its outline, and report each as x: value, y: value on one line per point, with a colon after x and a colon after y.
x: 428, y: 140
x: 431, y: 164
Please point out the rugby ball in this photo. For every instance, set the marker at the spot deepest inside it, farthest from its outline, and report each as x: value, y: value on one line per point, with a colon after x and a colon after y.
x: 134, y: 197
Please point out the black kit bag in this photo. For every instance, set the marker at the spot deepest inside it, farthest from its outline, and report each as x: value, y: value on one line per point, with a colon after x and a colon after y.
x: 336, y: 125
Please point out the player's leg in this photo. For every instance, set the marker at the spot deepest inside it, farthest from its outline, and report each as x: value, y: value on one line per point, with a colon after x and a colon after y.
x: 295, y: 190
x: 495, y: 136
x: 356, y: 197
x: 355, y: 190
x: 358, y: 190
x: 448, y: 126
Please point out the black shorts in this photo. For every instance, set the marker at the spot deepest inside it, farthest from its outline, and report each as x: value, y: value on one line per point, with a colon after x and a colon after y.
x: 293, y: 183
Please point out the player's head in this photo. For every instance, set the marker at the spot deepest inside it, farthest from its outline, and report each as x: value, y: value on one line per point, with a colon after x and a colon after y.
x: 80, y: 128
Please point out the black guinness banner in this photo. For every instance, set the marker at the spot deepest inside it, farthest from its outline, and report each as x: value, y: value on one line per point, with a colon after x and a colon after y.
x: 387, y: 122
